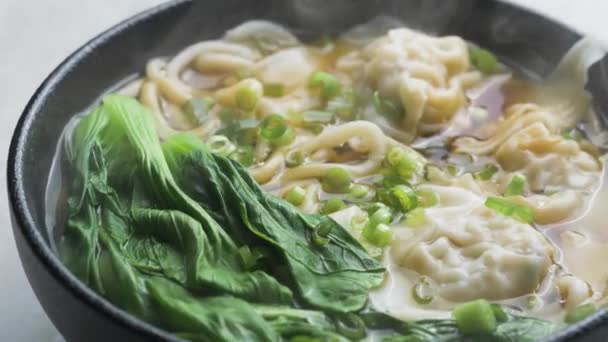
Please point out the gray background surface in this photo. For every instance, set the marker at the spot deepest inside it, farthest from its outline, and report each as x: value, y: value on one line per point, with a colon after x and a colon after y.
x: 36, y: 35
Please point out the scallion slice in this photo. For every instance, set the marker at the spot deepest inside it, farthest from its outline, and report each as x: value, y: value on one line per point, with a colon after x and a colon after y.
x: 516, y: 186
x: 483, y: 60
x: 487, y: 172
x: 359, y: 191
x: 246, y: 98
x: 332, y: 205
x: 379, y: 235
x: 404, y: 197
x: 221, y: 145
x: 476, y: 317
x: 273, y: 127
x: 326, y: 83
x: 422, y: 292
x: 400, y: 160
x: 503, y: 206
x: 296, y: 195
x: 294, y: 158
x: 381, y: 215
x: 336, y: 179
x: 287, y: 138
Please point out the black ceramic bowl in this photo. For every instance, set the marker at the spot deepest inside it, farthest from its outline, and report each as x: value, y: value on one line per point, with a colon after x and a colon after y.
x: 525, y: 40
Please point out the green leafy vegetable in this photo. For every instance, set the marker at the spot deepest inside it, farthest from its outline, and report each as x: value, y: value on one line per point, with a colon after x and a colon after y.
x: 336, y: 277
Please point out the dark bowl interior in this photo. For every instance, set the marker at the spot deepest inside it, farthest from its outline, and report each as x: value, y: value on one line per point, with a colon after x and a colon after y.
x: 525, y: 40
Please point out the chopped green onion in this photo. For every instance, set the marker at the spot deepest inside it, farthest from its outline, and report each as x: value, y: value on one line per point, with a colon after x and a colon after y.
x: 273, y: 126
x: 483, y: 60
x: 415, y: 218
x: 274, y: 90
x: 523, y: 213
x: 332, y: 205
x: 336, y: 179
x: 427, y: 197
x: 221, y: 145
x: 244, y: 155
x: 197, y: 109
x: 359, y: 191
x: 287, y: 138
x: 499, y: 313
x: 320, y: 235
x: 401, y: 161
x: 296, y: 195
x: 390, y: 181
x: 294, y: 158
x: 516, y: 186
x: 388, y: 108
x: 324, y: 228
x: 476, y: 317
x: 326, y: 83
x: 503, y: 206
x: 500, y: 205
x: 579, y: 313
x: 343, y: 106
x: 487, y: 172
x: 404, y: 197
x: 311, y: 117
x: 246, y: 98
x: 381, y: 215
x: 422, y: 292
x: 379, y: 235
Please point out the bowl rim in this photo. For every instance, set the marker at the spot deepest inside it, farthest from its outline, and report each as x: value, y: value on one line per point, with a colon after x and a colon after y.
x: 42, y: 251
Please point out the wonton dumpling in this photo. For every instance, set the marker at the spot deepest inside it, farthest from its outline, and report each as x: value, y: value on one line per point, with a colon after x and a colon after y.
x: 472, y: 252
x: 547, y: 160
x: 428, y: 75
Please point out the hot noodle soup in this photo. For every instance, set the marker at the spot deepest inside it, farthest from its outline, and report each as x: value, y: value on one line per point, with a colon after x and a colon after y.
x: 400, y: 187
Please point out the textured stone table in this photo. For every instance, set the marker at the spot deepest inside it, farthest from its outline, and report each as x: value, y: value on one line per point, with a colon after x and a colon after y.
x: 35, y: 36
